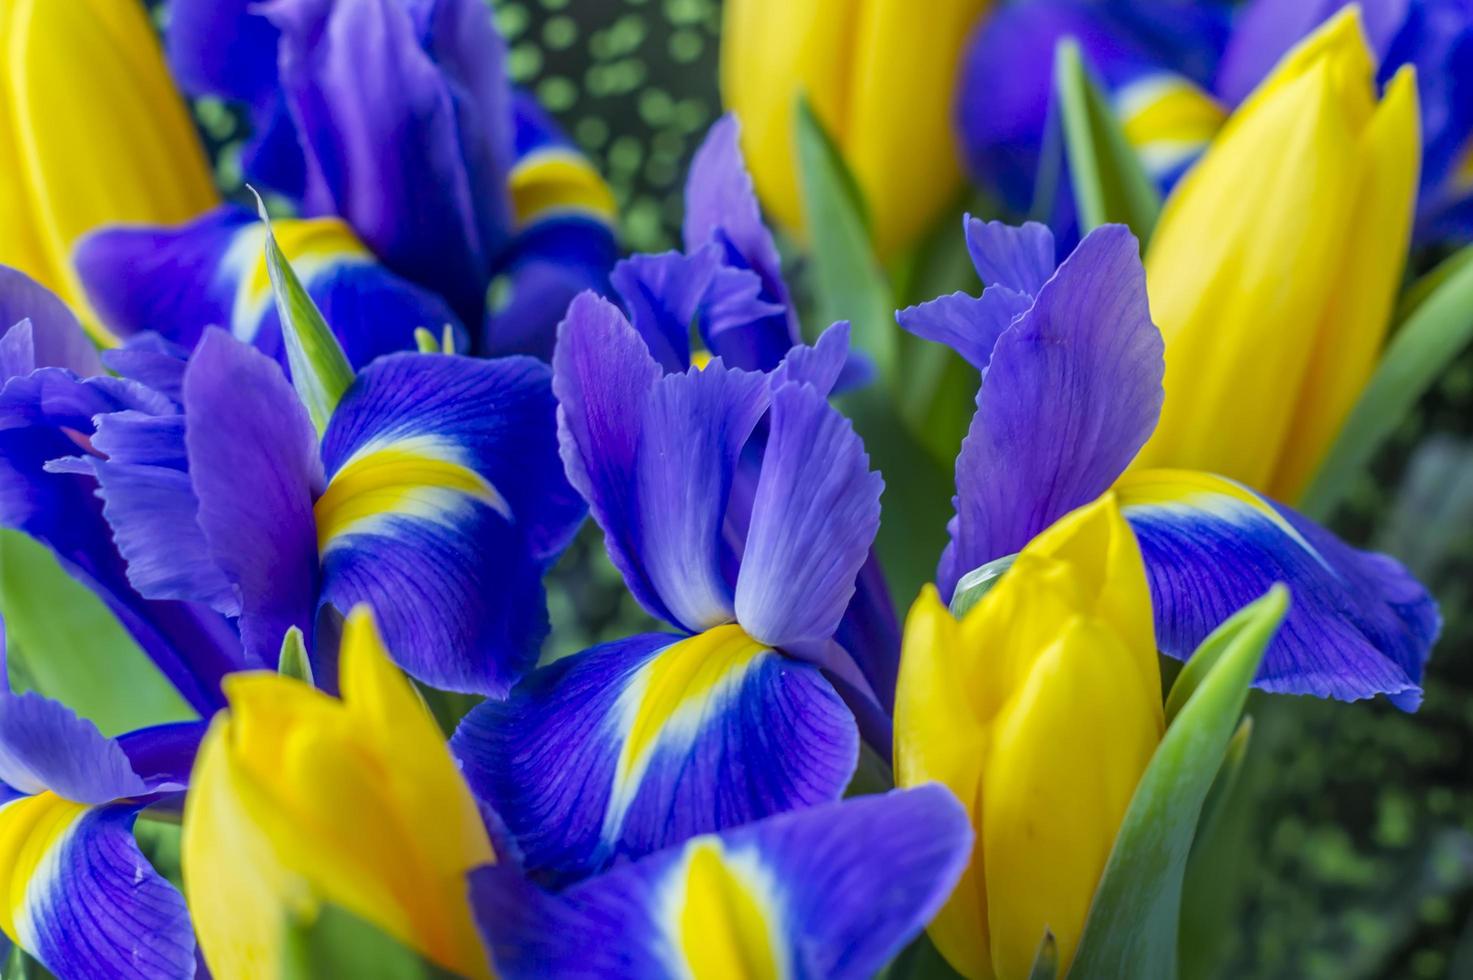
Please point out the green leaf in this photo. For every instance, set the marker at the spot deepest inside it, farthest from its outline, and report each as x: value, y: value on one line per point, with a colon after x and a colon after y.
x: 335, y: 943
x: 1110, y: 185
x: 1046, y: 960
x: 971, y: 587
x: 1438, y: 328
x: 848, y: 282
x: 320, y: 369
x: 64, y: 643
x: 1133, y: 924
x: 293, y: 661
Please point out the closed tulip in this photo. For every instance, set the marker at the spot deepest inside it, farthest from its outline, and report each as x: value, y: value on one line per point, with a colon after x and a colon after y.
x: 1040, y: 710
x: 880, y: 74
x: 299, y: 798
x: 1274, y: 267
x: 92, y: 132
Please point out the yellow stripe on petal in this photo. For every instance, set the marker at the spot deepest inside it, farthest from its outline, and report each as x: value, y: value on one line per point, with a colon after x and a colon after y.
x: 32, y: 831
x: 668, y: 698
x: 415, y: 476
x: 1167, y: 119
x: 312, y: 245
x: 722, y: 917
x: 558, y: 180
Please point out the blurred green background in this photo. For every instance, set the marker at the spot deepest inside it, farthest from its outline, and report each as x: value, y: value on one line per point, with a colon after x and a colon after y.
x: 1357, y: 861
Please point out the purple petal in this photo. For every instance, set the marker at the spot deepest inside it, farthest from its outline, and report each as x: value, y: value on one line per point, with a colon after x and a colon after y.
x: 406, y: 149
x: 1017, y: 257
x: 694, y: 429
x: 636, y: 745
x: 662, y: 293
x: 820, y: 366
x: 815, y: 515
x: 254, y: 463
x: 969, y: 325
x: 45, y: 746
x: 1358, y: 625
x: 451, y: 565
x: 95, y: 907
x: 841, y: 888
x: 164, y: 754
x: 602, y: 376
x: 1072, y: 392
x: 57, y: 339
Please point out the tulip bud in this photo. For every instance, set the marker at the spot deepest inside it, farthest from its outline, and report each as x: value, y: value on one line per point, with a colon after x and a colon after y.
x: 880, y: 74
x: 1040, y: 710
x: 1276, y: 261
x: 298, y: 798
x: 92, y: 132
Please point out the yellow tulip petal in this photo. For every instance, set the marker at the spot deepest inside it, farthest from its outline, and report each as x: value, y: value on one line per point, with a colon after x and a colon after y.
x: 1069, y: 749
x: 1352, y: 329
x: 939, y: 737
x: 899, y: 134
x: 99, y: 131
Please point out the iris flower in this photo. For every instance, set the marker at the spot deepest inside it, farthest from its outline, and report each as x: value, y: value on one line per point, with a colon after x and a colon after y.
x: 1071, y: 389
x: 399, y: 118
x: 434, y: 494
x: 638, y: 744
x: 78, y: 895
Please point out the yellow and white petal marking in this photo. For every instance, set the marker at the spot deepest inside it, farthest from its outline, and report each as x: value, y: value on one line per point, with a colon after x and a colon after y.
x: 667, y: 702
x: 33, y: 836
x: 312, y: 245
x: 557, y: 181
x: 1167, y: 119
x: 721, y: 915
x: 422, y: 477
x: 1188, y: 491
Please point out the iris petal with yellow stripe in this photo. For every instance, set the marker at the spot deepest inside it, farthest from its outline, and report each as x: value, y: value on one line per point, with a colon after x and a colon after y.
x: 655, y: 738
x: 178, y: 280
x: 831, y: 891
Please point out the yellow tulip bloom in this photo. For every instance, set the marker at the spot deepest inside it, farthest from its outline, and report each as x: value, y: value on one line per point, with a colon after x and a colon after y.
x: 92, y: 132
x: 1040, y: 710
x: 1275, y: 264
x: 299, y: 798
x: 880, y: 75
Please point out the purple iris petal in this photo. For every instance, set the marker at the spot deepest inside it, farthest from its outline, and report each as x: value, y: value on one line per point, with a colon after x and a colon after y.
x: 814, y: 517
x: 846, y: 886
x: 602, y: 376
x: 770, y: 736
x: 45, y: 746
x: 411, y: 153
x: 662, y: 294
x: 1072, y: 392
x: 56, y: 338
x: 821, y: 366
x: 454, y: 577
x: 1018, y: 257
x: 721, y: 207
x: 1358, y: 625
x: 153, y: 362
x: 163, y: 755
x: 97, y: 908
x: 254, y: 464
x: 695, y: 426
x: 969, y: 325
x: 149, y: 502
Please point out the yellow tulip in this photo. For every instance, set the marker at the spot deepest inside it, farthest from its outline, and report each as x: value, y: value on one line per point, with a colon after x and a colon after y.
x: 298, y: 798
x: 1275, y: 264
x: 1040, y: 710
x: 92, y: 132
x: 880, y: 75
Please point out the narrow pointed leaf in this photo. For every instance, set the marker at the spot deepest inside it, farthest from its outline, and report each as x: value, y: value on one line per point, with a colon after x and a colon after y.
x: 1046, y: 962
x: 1437, y: 329
x: 1134, y: 920
x: 320, y: 369
x: 293, y: 661
x: 1110, y: 185
x: 848, y: 282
